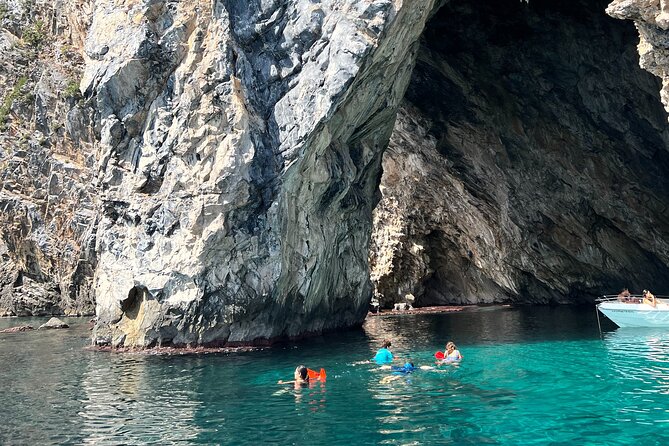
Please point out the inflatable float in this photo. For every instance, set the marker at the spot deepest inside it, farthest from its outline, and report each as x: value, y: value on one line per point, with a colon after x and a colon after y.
x: 440, y: 356
x: 314, y: 375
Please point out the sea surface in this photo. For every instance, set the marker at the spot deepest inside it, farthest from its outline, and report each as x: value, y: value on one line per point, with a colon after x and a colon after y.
x: 530, y: 376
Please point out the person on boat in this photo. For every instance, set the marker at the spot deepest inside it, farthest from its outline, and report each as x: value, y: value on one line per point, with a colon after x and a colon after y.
x: 384, y: 355
x: 301, y: 377
x: 624, y: 296
x: 649, y: 298
x: 452, y: 353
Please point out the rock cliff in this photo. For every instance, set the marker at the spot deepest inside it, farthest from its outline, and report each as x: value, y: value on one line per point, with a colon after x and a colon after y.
x: 206, y: 171
x: 240, y: 147
x: 47, y: 222
x: 528, y: 162
x: 651, y: 19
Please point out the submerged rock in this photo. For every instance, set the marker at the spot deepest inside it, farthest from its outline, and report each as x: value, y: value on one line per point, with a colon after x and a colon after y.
x: 18, y: 329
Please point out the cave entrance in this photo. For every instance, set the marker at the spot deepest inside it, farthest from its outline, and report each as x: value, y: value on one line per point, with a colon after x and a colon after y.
x: 132, y: 304
x: 517, y: 122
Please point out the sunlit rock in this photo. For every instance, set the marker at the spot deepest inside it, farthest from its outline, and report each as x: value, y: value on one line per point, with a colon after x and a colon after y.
x: 47, y: 195
x: 652, y: 21
x: 239, y: 157
x: 53, y: 324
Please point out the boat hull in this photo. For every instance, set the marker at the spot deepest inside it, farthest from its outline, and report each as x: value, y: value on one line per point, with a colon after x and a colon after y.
x: 636, y: 315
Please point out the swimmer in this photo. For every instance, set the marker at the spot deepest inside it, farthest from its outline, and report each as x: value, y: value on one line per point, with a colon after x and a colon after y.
x: 404, y: 370
x: 301, y: 377
x: 384, y: 355
x: 398, y: 372
x: 452, y: 353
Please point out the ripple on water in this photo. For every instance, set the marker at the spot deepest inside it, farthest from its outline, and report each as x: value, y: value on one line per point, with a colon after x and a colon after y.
x: 530, y: 376
x: 132, y: 400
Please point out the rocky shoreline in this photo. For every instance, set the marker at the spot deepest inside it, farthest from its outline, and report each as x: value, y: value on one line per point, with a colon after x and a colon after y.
x: 159, y: 351
x: 421, y: 310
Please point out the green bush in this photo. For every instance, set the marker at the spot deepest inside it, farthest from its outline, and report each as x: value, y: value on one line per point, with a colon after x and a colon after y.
x: 35, y: 35
x: 72, y: 90
x: 6, y: 105
x: 4, y: 11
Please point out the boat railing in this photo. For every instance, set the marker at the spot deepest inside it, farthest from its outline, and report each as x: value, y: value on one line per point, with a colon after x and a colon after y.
x: 632, y: 298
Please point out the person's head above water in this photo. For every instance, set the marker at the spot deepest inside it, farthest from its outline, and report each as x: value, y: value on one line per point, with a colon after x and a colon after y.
x: 301, y: 373
x: 450, y: 345
x: 386, y: 343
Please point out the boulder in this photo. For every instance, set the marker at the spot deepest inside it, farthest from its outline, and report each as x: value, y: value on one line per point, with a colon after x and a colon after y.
x: 54, y: 323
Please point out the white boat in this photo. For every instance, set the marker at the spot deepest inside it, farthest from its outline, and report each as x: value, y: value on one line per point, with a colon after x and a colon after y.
x: 633, y: 313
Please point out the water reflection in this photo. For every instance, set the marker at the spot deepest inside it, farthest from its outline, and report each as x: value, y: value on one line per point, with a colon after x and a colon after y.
x: 641, y: 355
x: 499, y: 375
x: 314, y: 395
x: 131, y: 399
x: 483, y: 325
x: 38, y: 386
x: 432, y: 404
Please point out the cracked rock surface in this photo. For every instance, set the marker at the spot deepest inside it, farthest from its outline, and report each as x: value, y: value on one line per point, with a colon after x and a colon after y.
x: 240, y: 146
x: 528, y: 163
x: 47, y: 194
x: 204, y: 172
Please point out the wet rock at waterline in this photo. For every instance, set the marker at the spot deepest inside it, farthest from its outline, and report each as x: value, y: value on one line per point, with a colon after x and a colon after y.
x: 19, y: 329
x: 53, y: 324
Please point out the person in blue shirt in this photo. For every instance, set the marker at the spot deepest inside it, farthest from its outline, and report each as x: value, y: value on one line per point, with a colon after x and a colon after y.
x: 384, y: 356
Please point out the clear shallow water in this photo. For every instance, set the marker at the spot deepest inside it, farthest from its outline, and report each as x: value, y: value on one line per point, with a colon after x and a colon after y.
x: 530, y: 376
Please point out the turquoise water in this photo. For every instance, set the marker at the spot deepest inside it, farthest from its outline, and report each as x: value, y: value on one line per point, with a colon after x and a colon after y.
x: 529, y: 376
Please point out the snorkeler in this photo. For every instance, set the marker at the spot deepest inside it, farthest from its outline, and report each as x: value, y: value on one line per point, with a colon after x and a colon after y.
x: 384, y: 355
x: 398, y: 372
x: 403, y: 370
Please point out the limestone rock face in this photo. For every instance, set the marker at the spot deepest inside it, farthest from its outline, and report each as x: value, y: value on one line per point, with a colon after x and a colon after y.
x: 240, y: 147
x: 47, y: 197
x: 651, y: 19
x: 528, y: 162
x: 206, y: 171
